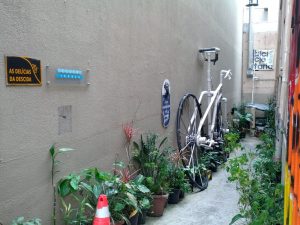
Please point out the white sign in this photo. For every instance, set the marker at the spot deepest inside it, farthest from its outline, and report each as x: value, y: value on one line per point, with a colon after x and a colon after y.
x: 263, y: 59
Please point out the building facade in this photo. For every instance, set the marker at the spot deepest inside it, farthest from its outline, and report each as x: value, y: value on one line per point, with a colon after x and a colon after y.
x: 126, y: 49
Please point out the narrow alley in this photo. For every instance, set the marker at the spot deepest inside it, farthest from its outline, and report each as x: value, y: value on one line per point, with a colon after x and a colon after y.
x: 216, y: 205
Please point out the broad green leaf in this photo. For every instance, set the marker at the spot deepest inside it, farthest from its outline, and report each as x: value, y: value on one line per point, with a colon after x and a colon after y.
x: 64, y: 188
x: 236, y: 218
x: 75, y: 182
x: 52, y: 151
x: 143, y: 188
x: 119, y: 207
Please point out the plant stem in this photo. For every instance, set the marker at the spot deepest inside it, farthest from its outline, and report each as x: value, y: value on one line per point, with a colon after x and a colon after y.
x: 54, y: 191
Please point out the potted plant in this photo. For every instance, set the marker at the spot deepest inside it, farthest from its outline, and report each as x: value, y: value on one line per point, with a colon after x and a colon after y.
x: 177, y: 177
x: 84, y: 189
x: 178, y: 183
x: 242, y: 120
x: 143, y: 196
x: 136, y: 187
x: 151, y: 156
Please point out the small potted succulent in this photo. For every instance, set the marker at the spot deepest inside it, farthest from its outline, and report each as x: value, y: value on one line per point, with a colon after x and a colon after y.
x: 151, y: 156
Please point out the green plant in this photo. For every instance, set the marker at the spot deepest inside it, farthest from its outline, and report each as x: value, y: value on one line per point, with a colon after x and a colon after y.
x: 21, y: 221
x: 231, y: 142
x: 135, y: 182
x: 258, y: 181
x: 177, y: 178
x: 82, y: 190
x: 241, y: 119
x: 54, y: 152
x: 152, y: 159
x: 79, y: 194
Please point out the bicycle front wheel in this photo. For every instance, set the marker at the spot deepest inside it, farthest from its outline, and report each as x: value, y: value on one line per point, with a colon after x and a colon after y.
x: 188, y: 118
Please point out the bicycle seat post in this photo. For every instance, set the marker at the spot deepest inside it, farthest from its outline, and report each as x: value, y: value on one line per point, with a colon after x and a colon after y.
x: 209, y: 87
x: 208, y: 54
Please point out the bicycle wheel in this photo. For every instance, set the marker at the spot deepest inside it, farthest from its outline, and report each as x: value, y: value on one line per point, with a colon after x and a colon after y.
x: 219, y: 123
x: 188, y: 118
x: 219, y: 130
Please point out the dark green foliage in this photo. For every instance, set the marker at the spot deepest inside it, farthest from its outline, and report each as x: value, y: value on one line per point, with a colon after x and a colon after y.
x: 21, y: 221
x: 231, y: 141
x: 151, y: 157
x: 258, y: 181
x: 80, y: 194
x: 241, y: 120
x: 177, y: 178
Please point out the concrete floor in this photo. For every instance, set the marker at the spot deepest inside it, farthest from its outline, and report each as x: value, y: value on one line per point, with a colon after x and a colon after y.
x: 214, y: 206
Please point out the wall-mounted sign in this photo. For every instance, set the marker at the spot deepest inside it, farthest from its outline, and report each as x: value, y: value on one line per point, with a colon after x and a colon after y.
x: 66, y: 76
x: 23, y: 71
x: 165, y: 103
x: 263, y: 59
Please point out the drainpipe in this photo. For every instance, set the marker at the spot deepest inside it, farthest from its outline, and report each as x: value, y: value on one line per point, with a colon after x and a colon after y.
x: 250, y: 44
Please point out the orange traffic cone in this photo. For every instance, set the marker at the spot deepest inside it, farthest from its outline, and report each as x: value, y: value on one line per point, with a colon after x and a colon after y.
x: 102, y: 216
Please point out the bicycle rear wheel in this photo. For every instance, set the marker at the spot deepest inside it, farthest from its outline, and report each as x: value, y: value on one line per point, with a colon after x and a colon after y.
x: 188, y: 118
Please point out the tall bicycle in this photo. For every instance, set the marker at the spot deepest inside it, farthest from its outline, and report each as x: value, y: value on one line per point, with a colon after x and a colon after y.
x: 192, y: 139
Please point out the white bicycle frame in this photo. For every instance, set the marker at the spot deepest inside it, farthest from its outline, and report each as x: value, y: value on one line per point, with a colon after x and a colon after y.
x: 214, y: 97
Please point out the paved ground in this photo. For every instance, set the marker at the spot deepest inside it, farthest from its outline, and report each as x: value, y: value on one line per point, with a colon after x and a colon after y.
x: 214, y: 206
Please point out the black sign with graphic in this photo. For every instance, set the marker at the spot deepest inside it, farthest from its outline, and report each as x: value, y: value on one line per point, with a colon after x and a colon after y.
x: 165, y: 104
x: 23, y: 71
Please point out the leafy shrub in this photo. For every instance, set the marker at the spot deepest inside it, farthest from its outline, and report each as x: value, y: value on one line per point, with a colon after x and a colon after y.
x: 258, y: 182
x: 21, y: 221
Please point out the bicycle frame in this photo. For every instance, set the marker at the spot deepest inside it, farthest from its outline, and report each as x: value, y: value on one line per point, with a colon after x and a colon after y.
x: 214, y: 97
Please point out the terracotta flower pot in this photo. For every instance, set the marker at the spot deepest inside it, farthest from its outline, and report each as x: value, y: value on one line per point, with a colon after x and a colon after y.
x: 174, y: 196
x: 158, y: 205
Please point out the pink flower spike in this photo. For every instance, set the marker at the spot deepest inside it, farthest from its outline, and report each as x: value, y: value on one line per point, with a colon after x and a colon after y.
x: 128, y: 131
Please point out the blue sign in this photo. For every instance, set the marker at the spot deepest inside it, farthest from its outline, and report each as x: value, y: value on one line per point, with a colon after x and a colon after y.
x: 166, y: 103
x: 66, y: 74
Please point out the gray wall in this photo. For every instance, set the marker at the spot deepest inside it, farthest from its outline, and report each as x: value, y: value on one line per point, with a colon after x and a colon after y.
x: 130, y: 47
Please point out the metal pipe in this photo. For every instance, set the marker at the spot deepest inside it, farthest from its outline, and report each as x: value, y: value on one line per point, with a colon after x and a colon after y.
x: 250, y: 44
x: 209, y: 87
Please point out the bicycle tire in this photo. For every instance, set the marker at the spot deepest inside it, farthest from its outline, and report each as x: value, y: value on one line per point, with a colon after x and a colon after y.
x: 219, y: 122
x: 220, y: 131
x: 186, y: 132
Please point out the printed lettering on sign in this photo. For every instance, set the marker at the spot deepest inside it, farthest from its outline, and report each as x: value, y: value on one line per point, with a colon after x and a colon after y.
x: 23, y: 71
x: 263, y: 59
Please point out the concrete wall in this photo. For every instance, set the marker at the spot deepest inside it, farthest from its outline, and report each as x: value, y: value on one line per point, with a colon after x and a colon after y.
x: 265, y: 38
x: 264, y: 86
x: 130, y: 47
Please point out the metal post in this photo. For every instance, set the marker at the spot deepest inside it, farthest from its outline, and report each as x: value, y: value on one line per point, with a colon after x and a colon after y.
x: 250, y: 45
x: 209, y: 86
